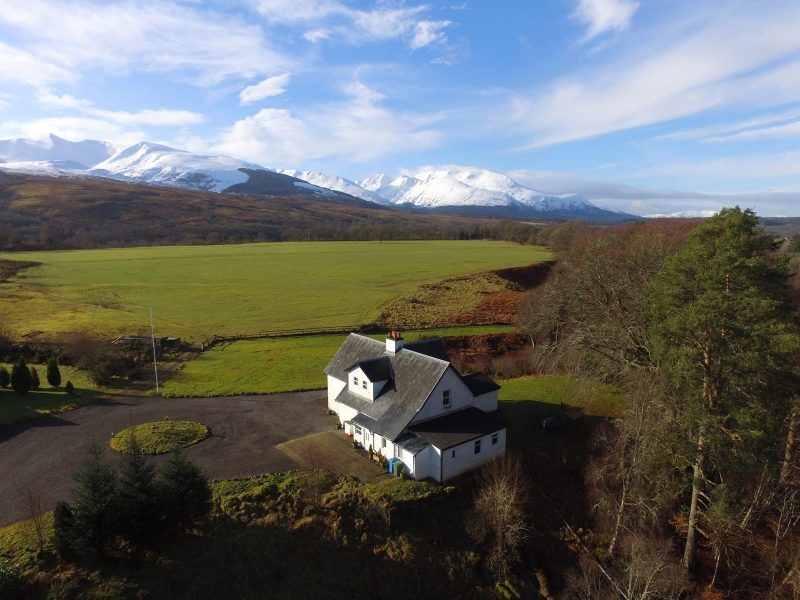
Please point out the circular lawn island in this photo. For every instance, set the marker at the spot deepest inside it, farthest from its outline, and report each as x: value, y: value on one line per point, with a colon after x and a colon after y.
x: 160, y: 437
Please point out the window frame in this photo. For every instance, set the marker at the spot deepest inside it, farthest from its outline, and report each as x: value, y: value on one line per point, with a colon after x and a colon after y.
x: 357, y: 429
x: 477, y: 446
x: 446, y: 400
x: 495, y: 437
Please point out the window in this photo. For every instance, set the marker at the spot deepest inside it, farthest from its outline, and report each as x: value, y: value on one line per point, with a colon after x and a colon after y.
x: 383, y: 443
x: 446, y: 399
x: 478, y: 447
x: 494, y: 439
x: 453, y: 454
x: 358, y: 429
x: 355, y: 381
x: 364, y: 384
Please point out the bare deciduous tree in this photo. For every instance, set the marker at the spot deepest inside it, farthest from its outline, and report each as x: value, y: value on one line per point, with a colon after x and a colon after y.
x: 33, y: 501
x: 498, y: 518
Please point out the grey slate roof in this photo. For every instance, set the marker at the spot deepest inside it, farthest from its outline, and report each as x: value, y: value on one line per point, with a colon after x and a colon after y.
x: 479, y: 383
x: 433, y: 347
x: 377, y: 369
x: 411, y: 443
x: 415, y: 376
x: 457, y: 428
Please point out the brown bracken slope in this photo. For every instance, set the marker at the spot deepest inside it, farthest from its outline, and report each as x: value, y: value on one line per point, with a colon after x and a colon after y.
x: 39, y: 212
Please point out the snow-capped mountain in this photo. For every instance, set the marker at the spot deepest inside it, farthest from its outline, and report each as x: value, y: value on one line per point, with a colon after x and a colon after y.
x: 154, y: 163
x: 334, y: 182
x: 464, y: 187
x: 52, y: 153
x: 462, y: 190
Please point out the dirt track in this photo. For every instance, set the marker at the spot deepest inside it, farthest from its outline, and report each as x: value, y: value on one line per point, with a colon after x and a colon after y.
x: 44, y: 452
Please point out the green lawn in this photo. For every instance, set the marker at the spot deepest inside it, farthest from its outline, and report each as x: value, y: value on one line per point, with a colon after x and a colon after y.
x: 274, y: 364
x: 197, y: 291
x: 160, y: 437
x: 18, y: 542
x: 527, y: 400
x: 46, y: 400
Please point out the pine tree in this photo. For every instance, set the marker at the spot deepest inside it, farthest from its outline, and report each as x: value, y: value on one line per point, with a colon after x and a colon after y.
x: 138, y: 506
x: 35, y: 381
x: 21, y: 377
x: 95, y: 504
x: 69, y: 388
x: 5, y: 377
x: 183, y: 492
x: 725, y: 340
x: 53, y: 373
x: 64, y: 530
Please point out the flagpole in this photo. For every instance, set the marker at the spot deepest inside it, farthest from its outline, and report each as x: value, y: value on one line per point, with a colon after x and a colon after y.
x: 153, y: 338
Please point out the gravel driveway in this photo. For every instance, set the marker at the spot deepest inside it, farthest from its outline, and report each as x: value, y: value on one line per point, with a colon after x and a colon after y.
x: 43, y: 453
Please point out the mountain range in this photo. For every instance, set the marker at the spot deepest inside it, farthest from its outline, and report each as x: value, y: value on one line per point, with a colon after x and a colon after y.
x: 451, y: 190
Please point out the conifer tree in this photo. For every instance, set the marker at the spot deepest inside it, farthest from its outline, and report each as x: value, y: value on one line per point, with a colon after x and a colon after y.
x: 95, y: 504
x: 21, y: 377
x: 138, y: 506
x: 35, y: 381
x: 183, y: 492
x: 69, y: 388
x: 53, y: 373
x: 725, y: 341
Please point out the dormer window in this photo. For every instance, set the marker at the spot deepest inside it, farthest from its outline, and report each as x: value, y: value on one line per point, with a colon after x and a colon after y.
x: 446, y: 399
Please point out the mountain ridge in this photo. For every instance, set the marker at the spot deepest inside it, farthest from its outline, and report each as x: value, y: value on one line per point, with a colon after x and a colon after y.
x: 452, y: 189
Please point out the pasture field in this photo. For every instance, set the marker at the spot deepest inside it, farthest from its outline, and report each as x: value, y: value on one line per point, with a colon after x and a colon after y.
x: 275, y: 364
x: 198, y: 291
x: 46, y: 400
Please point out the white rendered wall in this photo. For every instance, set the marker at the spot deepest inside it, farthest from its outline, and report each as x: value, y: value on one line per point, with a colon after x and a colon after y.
x: 487, y: 402
x: 465, y: 458
x: 460, y: 397
x: 335, y: 387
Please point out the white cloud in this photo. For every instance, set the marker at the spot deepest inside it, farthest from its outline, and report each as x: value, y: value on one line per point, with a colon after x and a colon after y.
x: 601, y: 16
x: 776, y: 131
x: 271, y: 86
x: 726, y: 168
x: 721, y: 130
x: 160, y: 117
x: 429, y: 32
x: 164, y: 117
x: 649, y: 201
x: 722, y: 62
x: 359, y: 127
x: 72, y: 128
x: 334, y: 20
x: 58, y: 41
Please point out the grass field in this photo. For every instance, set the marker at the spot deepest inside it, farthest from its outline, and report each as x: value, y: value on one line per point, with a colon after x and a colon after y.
x: 197, y: 291
x: 46, y: 400
x: 527, y: 400
x: 274, y: 364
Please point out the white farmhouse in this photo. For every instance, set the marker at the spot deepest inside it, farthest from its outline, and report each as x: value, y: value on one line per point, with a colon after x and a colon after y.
x: 408, y: 403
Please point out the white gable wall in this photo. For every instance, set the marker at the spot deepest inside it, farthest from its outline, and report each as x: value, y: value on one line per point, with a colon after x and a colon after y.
x: 487, y: 402
x: 460, y: 397
x: 335, y: 387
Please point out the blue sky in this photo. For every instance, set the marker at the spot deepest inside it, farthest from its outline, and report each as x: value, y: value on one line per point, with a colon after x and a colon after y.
x: 648, y: 106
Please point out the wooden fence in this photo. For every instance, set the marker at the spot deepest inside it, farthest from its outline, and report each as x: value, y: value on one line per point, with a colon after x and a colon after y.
x: 217, y: 339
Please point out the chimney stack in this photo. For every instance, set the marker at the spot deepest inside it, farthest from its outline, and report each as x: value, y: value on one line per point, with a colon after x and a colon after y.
x: 394, y: 342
